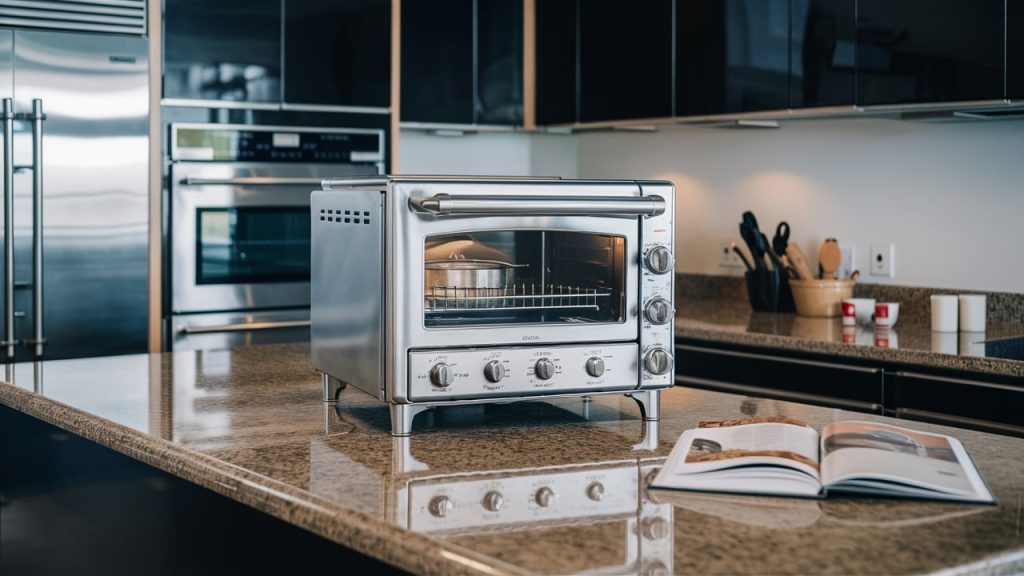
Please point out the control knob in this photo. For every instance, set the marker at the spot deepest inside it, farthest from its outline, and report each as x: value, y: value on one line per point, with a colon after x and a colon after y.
x: 595, y: 366
x: 658, y: 311
x: 659, y: 260
x: 441, y: 375
x: 493, y: 501
x: 440, y: 506
x: 595, y: 491
x: 657, y: 361
x: 494, y: 371
x: 544, y: 369
x: 544, y: 497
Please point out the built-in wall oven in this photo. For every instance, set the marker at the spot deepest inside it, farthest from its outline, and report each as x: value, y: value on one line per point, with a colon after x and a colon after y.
x: 239, y: 227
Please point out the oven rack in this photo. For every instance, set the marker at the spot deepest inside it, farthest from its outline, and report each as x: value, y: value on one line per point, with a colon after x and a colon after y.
x: 520, y: 296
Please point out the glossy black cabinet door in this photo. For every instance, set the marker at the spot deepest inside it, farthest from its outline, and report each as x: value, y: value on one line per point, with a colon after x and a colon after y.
x: 823, y: 46
x: 1015, y: 49
x: 223, y: 50
x: 911, y: 51
x: 337, y: 52
x: 731, y: 56
x: 499, y: 92
x: 556, y: 61
x: 625, y: 59
x: 437, y: 61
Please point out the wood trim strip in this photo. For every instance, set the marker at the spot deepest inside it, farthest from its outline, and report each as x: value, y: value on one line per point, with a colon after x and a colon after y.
x: 529, y: 64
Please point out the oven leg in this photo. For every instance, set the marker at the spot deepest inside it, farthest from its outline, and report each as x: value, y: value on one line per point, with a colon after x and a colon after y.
x: 649, y: 402
x: 332, y: 387
x: 402, y: 416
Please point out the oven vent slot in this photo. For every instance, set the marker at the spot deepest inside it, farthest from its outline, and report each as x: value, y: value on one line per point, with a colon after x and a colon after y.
x: 345, y: 216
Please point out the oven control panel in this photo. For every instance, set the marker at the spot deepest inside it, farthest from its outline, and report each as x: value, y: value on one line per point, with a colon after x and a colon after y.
x: 438, y: 375
x: 657, y: 270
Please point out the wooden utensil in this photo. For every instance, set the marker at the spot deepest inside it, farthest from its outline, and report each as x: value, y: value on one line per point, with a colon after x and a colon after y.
x: 829, y: 257
x: 799, y: 262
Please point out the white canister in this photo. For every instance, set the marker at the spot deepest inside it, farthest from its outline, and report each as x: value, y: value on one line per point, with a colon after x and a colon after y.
x: 972, y: 312
x: 944, y: 313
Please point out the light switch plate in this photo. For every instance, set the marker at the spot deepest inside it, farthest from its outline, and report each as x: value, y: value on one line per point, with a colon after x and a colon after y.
x: 883, y: 260
x: 847, y: 261
x: 727, y: 258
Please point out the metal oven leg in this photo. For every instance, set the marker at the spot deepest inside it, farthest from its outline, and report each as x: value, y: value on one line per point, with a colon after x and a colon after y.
x: 649, y: 402
x: 332, y: 387
x: 402, y: 416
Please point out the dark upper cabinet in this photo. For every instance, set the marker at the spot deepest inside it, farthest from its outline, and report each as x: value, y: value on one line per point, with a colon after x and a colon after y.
x: 223, y: 50
x: 625, y: 59
x: 731, y: 56
x: 555, y: 62
x: 823, y: 47
x: 911, y: 51
x: 462, y: 61
x: 1015, y: 49
x: 337, y: 52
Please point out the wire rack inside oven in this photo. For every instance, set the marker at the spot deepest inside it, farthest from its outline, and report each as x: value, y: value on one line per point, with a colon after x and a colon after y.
x: 519, y: 296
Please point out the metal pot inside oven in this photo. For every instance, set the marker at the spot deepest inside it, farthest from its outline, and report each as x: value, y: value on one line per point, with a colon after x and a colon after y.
x: 478, y: 283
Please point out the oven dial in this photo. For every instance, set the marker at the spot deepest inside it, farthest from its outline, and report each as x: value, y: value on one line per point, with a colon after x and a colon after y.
x: 657, y: 361
x: 494, y: 371
x: 595, y: 367
x: 544, y: 369
x: 441, y: 375
x: 595, y: 491
x: 659, y: 260
x: 493, y: 501
x: 440, y: 506
x: 544, y: 497
x: 658, y: 311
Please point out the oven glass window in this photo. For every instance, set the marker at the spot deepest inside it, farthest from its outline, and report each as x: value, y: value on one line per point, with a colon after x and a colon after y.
x: 249, y: 245
x: 523, y: 277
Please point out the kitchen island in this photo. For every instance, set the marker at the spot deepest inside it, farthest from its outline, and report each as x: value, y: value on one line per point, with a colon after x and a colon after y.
x: 538, y: 487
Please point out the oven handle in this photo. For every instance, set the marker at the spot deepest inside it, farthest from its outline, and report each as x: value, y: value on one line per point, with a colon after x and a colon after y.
x: 251, y: 181
x: 244, y: 327
x: 525, y: 205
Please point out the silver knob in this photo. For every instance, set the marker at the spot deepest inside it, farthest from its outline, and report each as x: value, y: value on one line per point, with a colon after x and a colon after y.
x: 658, y: 311
x: 595, y: 491
x: 440, y: 506
x: 441, y: 375
x: 595, y: 367
x: 657, y: 361
x: 494, y: 371
x: 544, y: 497
x: 659, y: 260
x: 493, y: 501
x: 544, y: 369
x: 656, y: 528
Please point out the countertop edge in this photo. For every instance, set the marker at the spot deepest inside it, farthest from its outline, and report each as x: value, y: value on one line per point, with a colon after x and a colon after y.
x: 390, y: 544
x: 993, y: 366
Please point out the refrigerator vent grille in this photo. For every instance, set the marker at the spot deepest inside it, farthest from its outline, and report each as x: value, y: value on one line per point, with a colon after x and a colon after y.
x: 106, y: 16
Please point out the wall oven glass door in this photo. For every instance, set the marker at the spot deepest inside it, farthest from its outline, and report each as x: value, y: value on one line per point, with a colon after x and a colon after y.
x: 252, y: 244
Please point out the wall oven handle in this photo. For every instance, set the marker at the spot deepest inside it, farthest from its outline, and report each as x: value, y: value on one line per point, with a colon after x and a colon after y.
x: 252, y: 181
x: 244, y: 327
x: 8, y: 121
x: 527, y: 205
x: 37, y: 117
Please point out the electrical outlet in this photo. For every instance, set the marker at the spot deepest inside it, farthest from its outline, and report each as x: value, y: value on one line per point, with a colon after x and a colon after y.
x: 883, y: 260
x: 847, y: 261
x: 727, y: 258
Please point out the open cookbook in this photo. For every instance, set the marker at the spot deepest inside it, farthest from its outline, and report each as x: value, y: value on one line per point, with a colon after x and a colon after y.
x: 783, y: 456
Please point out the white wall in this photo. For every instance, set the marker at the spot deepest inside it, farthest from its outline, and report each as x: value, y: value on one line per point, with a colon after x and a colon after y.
x: 487, y: 153
x: 949, y: 196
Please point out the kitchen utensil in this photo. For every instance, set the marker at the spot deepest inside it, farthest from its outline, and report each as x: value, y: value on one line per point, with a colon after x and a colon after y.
x: 743, y: 257
x: 799, y: 262
x: 776, y: 261
x: 753, y: 241
x: 468, y: 274
x: 781, y: 239
x: 820, y: 298
x: 829, y: 257
x: 854, y: 275
x: 863, y: 309
x: 886, y: 314
x: 944, y: 313
x: 972, y: 312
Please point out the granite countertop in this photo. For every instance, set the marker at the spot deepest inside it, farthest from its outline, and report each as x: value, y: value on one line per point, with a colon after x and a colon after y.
x: 250, y: 424
x: 912, y: 343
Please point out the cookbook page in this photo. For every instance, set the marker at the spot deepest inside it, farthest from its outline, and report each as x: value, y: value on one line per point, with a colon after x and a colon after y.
x: 879, y: 458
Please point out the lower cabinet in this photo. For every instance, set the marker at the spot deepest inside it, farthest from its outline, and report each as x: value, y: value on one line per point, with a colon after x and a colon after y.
x: 960, y: 402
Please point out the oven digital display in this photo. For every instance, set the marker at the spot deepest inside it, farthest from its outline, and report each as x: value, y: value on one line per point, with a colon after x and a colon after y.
x: 282, y: 140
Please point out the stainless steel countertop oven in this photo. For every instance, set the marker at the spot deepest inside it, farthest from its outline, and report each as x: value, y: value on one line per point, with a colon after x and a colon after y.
x: 431, y: 291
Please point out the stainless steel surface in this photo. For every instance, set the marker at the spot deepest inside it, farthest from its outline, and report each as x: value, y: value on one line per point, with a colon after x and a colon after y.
x: 9, y: 335
x: 658, y: 311
x: 494, y: 371
x: 104, y: 16
x: 658, y: 361
x: 471, y: 278
x: 659, y: 260
x: 441, y: 375
x: 251, y: 181
x: 452, y: 299
x: 544, y: 369
x: 526, y: 205
x: 85, y: 233
x: 229, y: 330
x: 595, y: 367
x: 341, y: 109
x: 177, y: 152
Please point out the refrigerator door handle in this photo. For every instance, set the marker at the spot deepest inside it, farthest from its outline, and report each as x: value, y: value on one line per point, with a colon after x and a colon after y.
x: 36, y: 117
x: 8, y: 120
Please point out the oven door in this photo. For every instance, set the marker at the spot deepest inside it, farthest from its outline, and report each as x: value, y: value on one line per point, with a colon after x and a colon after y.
x: 496, y: 263
x: 240, y: 235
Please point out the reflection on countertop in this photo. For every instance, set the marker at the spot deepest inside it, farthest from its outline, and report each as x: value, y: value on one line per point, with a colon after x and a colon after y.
x: 531, y: 487
x: 733, y: 322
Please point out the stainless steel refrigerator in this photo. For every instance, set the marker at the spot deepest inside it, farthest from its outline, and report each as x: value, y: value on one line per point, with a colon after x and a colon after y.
x: 75, y: 154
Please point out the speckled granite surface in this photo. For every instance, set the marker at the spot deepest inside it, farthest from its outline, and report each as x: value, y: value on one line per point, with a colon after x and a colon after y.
x: 249, y: 424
